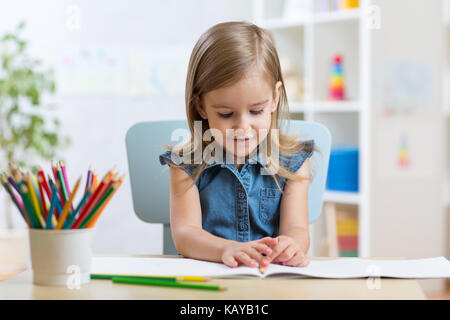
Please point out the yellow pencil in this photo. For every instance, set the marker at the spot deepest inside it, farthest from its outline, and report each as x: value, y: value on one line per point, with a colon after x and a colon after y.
x: 34, y: 200
x: 67, y: 206
x: 195, y: 278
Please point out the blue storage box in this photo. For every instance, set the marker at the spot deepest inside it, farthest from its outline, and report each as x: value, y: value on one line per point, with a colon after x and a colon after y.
x: 343, y: 169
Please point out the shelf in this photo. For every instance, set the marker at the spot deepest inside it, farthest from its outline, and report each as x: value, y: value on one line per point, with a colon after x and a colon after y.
x: 336, y: 16
x: 322, y: 17
x: 335, y: 106
x: 342, y: 197
x: 298, y: 106
x: 325, y: 106
x: 283, y: 23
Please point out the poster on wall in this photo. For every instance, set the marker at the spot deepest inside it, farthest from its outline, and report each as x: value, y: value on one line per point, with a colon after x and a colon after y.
x: 403, y: 139
x: 402, y: 87
x: 133, y: 71
x: 91, y: 70
x: 403, y: 148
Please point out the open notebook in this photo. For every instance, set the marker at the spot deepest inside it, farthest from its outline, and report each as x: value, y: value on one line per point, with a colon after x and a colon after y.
x: 438, y: 267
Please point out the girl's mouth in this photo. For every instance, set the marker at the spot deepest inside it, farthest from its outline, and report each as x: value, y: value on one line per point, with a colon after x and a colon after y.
x: 241, y: 139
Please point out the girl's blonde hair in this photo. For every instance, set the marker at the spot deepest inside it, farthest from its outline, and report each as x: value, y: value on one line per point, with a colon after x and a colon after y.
x: 221, y: 57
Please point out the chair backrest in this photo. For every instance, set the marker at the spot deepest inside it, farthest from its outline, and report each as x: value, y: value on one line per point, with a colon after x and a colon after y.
x: 150, y: 180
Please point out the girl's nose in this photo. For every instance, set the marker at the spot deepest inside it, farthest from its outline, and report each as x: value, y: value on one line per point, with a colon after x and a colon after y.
x: 242, y: 125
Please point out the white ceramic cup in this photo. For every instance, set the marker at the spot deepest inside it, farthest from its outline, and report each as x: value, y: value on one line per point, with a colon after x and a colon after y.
x: 61, y: 257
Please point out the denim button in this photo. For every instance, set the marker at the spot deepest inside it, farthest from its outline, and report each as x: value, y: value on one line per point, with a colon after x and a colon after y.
x: 242, y: 226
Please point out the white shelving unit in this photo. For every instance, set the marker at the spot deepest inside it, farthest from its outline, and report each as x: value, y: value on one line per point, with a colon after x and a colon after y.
x: 310, y: 40
x: 389, y: 205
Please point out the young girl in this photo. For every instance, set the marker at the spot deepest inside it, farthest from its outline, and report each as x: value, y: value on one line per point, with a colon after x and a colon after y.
x: 228, y: 211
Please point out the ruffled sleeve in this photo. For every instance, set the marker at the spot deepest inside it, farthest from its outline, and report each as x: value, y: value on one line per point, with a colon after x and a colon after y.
x: 169, y: 157
x: 295, y: 162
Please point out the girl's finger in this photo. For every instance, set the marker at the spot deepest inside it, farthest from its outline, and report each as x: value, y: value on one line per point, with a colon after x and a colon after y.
x: 295, y: 261
x: 304, y: 263
x: 287, y: 254
x: 262, y: 248
x: 298, y: 260
x: 230, y: 261
x: 256, y: 255
x: 279, y: 248
x: 268, y: 241
x: 245, y: 259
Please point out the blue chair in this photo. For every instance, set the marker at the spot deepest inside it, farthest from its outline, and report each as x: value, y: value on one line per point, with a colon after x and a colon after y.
x: 150, y: 180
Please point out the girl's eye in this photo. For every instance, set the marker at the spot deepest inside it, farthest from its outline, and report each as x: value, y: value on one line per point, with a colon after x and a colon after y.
x: 225, y: 115
x: 256, y: 111
x: 228, y: 115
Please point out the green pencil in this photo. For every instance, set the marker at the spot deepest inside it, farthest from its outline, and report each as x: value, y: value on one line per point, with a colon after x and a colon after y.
x: 73, y: 215
x: 165, y: 283
x: 63, y: 185
x: 29, y: 207
x: 96, y: 208
x: 109, y: 277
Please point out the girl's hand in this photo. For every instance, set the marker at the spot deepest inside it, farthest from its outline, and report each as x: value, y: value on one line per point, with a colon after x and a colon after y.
x: 288, y: 253
x: 249, y: 253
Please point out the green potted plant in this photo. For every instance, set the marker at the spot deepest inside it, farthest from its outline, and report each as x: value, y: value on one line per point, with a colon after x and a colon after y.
x: 28, y: 131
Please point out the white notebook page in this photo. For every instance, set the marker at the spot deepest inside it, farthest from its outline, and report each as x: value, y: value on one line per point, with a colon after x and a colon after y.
x: 438, y: 267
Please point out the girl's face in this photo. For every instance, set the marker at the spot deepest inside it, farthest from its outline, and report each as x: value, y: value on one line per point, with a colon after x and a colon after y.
x: 241, y: 113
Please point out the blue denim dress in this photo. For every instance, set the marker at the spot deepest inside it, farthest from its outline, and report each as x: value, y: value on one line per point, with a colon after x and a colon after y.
x: 245, y: 205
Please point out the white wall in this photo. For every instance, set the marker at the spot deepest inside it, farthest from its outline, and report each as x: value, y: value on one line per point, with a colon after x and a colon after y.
x: 97, y: 119
x: 407, y: 216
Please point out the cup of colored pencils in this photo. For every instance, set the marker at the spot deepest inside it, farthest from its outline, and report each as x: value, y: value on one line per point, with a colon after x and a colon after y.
x: 60, y: 228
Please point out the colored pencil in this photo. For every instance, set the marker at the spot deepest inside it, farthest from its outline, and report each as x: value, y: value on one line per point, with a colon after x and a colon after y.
x: 43, y: 180
x: 72, y: 216
x: 42, y: 195
x: 29, y: 206
x: 50, y: 205
x: 58, y: 208
x: 55, y: 175
x: 34, y: 200
x: 15, y: 199
x: 263, y: 268
x: 95, y: 180
x: 164, y: 283
x: 93, y: 199
x: 63, y: 187
x: 88, y: 179
x: 109, y: 277
x: 53, y: 201
x: 18, y: 178
x: 170, y: 278
x: 66, y: 182
x: 97, y: 206
x: 102, y: 207
x: 14, y: 184
x: 35, y: 184
x: 67, y: 206
x: 13, y: 170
